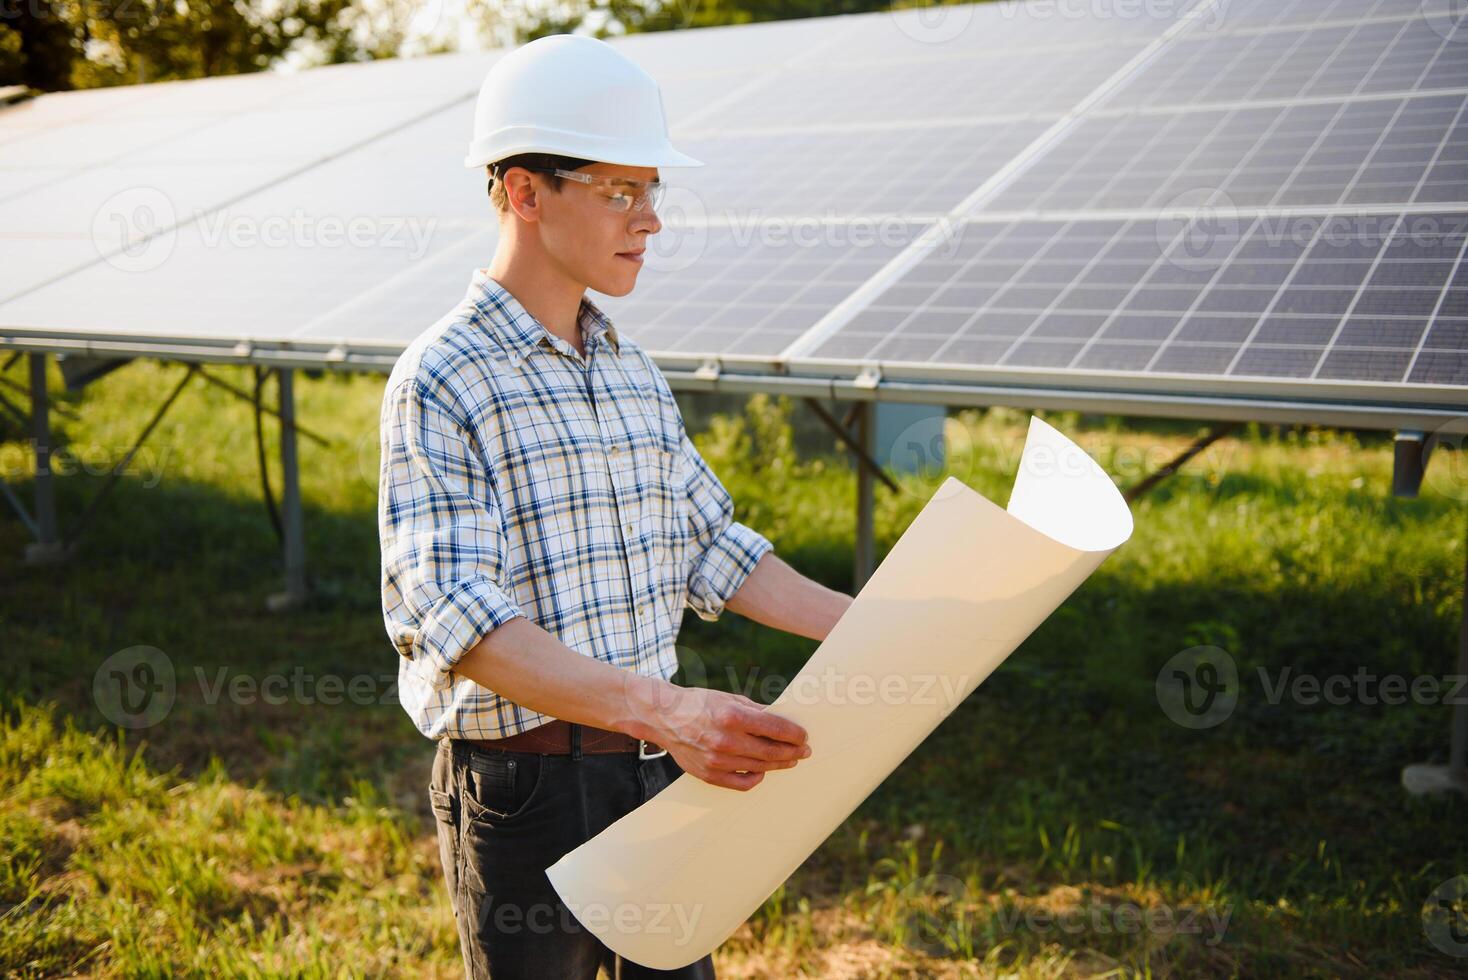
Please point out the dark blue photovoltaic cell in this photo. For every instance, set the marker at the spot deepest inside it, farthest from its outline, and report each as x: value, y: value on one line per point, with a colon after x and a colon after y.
x: 1339, y: 297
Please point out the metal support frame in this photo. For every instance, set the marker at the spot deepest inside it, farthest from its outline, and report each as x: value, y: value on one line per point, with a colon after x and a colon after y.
x: 245, y: 396
x: 292, y: 522
x: 866, y: 543
x: 1176, y: 463
x: 1423, y: 778
x: 857, y: 431
x: 51, y: 544
x: 1411, y: 450
x: 47, y: 547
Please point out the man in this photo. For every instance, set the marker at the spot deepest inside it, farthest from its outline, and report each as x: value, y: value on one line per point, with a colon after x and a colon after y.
x: 545, y: 519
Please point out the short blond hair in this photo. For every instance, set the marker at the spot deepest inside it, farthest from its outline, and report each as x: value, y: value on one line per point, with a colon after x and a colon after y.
x: 497, y: 187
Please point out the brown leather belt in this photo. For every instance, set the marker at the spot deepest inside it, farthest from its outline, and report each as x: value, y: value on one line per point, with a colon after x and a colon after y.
x: 554, y: 738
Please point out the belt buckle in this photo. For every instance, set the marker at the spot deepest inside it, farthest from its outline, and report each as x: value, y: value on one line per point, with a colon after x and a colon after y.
x: 642, y: 750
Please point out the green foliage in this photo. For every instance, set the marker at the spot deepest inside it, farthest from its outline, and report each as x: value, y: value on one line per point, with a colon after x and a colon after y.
x: 260, y: 839
x: 63, y: 45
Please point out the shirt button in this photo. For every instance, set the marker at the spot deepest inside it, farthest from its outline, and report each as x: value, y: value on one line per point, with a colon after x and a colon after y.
x: 627, y: 528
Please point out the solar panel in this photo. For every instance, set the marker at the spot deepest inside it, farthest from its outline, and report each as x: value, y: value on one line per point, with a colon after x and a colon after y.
x: 1266, y: 13
x: 1343, y: 60
x: 221, y: 288
x: 750, y: 291
x: 938, y: 84
x: 1377, y: 151
x: 907, y: 170
x: 1277, y: 197
x: 96, y: 179
x: 1293, y: 297
x: 1202, y: 196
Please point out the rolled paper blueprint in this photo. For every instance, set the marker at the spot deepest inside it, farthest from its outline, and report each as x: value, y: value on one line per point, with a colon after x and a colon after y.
x: 963, y: 586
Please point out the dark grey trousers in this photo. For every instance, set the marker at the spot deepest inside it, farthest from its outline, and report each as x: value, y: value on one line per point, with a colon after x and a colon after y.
x: 503, y: 818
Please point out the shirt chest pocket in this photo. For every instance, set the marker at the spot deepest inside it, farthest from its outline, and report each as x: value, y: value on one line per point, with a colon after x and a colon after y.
x: 650, y: 471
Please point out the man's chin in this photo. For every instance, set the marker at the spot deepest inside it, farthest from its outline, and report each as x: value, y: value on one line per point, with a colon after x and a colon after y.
x: 616, y: 285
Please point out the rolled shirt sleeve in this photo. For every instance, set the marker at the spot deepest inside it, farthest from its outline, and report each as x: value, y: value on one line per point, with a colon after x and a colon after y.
x: 724, y: 551
x: 443, y: 542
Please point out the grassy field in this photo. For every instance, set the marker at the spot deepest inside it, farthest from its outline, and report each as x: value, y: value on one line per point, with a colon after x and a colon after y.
x: 1056, y: 824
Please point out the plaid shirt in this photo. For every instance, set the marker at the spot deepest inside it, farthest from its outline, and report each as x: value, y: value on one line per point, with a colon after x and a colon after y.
x: 519, y: 479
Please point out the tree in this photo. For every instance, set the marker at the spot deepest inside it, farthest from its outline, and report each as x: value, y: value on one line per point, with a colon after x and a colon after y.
x: 63, y: 44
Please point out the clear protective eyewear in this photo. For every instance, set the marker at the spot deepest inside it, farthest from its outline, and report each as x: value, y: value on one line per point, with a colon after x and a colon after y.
x: 629, y: 194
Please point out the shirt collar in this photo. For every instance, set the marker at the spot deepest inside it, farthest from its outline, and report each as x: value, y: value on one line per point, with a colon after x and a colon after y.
x: 520, y: 332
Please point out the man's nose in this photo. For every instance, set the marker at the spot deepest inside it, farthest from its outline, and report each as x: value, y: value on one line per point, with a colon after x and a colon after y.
x: 646, y: 218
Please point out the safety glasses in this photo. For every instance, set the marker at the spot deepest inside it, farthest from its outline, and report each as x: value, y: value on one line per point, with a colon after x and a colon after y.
x: 620, y: 194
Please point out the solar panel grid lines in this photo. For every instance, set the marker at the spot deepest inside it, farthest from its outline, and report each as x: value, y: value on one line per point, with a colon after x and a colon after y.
x: 1342, y: 60
x: 1140, y: 151
x: 126, y: 196
x: 1406, y: 151
x: 1300, y: 297
x: 919, y: 168
x: 1267, y: 14
x: 753, y: 83
x: 972, y: 86
x: 1450, y: 348
x: 994, y: 184
x: 765, y: 284
x: 1225, y: 198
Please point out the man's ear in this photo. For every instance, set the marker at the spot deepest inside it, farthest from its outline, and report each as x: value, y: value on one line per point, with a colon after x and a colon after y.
x: 521, y: 188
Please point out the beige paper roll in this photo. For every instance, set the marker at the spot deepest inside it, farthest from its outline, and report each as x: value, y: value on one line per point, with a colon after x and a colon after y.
x: 964, y: 586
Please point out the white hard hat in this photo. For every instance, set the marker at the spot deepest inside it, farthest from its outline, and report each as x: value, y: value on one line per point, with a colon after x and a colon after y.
x: 574, y: 96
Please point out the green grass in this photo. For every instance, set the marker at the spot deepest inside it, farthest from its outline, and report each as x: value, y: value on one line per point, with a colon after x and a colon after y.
x: 1026, y: 837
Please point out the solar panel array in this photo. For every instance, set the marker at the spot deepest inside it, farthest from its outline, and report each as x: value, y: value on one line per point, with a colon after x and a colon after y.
x: 1277, y: 195
x: 1335, y: 297
x: 1097, y: 196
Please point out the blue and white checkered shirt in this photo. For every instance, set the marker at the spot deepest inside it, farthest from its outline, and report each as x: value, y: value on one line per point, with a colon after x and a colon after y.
x: 519, y: 479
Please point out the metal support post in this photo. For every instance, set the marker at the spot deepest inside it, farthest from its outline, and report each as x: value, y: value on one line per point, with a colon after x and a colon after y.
x: 292, y: 524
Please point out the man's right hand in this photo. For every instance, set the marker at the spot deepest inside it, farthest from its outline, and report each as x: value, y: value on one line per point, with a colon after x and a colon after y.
x: 725, y: 739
